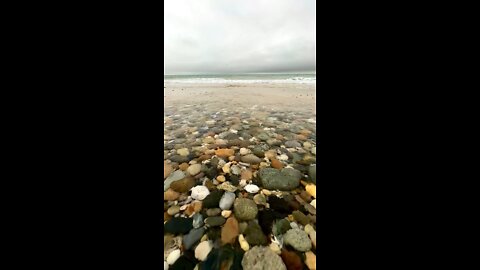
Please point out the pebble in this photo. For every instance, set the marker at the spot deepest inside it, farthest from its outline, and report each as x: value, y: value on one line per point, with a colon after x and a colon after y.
x: 244, y: 151
x: 183, y: 185
x: 224, y: 153
x: 175, y: 176
x: 275, y: 248
x: 170, y: 195
x: 221, y: 178
x: 245, y: 209
x: 312, y: 190
x: 277, y: 164
x: 258, y: 258
x: 173, y: 256
x: 252, y: 188
x: 311, y: 260
x: 226, y: 213
x: 254, y: 234
x: 246, y: 174
x: 260, y: 199
x: 194, y: 169
x: 300, y: 217
x: 183, y: 166
x: 314, y: 203
x: 192, y: 237
x: 165, y: 265
x: 173, y: 210
x: 291, y: 259
x: 183, y: 152
x: 312, y: 234
x: 200, y: 192
x: 203, y: 249
x: 243, y: 243
x: 167, y: 170
x: 213, y: 212
x: 230, y: 231
x: 215, y: 221
x: 251, y: 159
x: 235, y: 169
x: 227, y: 200
x: 227, y: 186
x: 197, y: 220
x: 298, y: 239
x: 285, y: 179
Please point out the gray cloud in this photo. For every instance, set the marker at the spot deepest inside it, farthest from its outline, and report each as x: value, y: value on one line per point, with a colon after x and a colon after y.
x: 239, y: 36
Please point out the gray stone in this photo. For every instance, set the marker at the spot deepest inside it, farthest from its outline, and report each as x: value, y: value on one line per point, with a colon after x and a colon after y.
x: 260, y: 258
x: 192, y: 237
x: 197, y: 220
x: 292, y: 144
x: 312, y: 172
x: 251, y: 158
x: 215, y: 221
x: 213, y: 212
x: 298, y: 239
x: 285, y: 179
x: 227, y: 200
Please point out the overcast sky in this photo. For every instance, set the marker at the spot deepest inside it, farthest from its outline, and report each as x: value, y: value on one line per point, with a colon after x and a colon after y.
x: 209, y: 36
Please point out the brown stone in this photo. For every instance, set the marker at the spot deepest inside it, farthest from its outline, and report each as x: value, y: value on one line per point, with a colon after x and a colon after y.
x: 305, y: 196
x: 183, y: 166
x: 291, y: 260
x: 277, y: 164
x: 183, y: 185
x: 166, y: 216
x: 197, y: 206
x: 305, y: 132
x: 210, y: 185
x: 190, y: 210
x: 224, y: 153
x: 230, y: 231
x: 167, y: 170
x: 301, y: 137
x: 170, y: 195
x: 246, y: 174
x: 203, y: 157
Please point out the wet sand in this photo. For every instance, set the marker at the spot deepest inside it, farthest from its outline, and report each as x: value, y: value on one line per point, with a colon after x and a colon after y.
x: 295, y: 97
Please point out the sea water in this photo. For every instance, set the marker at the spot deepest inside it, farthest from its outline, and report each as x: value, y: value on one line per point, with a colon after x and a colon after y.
x: 266, y: 78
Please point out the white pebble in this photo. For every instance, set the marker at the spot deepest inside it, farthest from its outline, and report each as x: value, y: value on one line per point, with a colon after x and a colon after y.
x: 314, y: 203
x: 173, y: 256
x: 165, y: 265
x: 252, y: 188
x: 199, y: 192
x: 203, y: 249
x: 282, y: 157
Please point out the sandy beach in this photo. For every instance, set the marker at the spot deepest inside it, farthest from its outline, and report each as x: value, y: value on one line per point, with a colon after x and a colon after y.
x: 285, y: 96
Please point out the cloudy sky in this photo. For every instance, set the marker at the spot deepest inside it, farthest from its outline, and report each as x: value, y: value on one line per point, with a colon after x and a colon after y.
x: 229, y: 36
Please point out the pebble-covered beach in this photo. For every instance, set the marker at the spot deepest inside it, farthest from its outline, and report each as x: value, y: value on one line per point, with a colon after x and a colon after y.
x: 239, y: 177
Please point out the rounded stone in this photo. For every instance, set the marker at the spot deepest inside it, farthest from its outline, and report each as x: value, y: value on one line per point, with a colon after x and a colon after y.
x: 194, y: 169
x: 245, y: 209
x: 298, y: 239
x: 259, y: 258
x: 285, y: 179
x: 227, y: 200
x: 200, y: 192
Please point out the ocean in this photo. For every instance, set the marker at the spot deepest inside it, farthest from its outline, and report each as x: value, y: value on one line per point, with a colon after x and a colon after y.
x: 303, y: 78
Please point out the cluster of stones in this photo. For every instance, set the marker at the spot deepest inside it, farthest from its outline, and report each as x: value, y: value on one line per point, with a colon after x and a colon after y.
x: 239, y: 189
